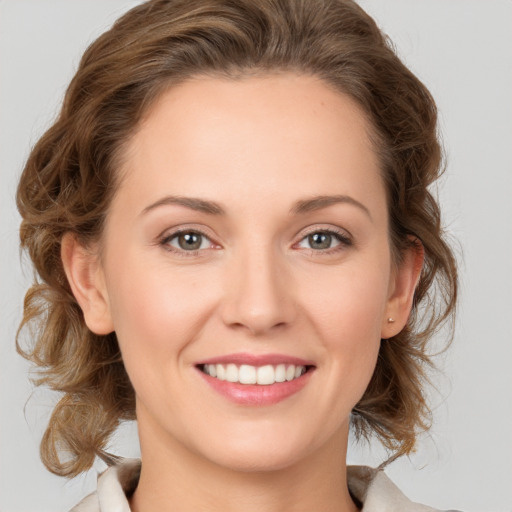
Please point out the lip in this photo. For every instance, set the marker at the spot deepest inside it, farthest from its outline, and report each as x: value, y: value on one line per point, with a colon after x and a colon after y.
x: 254, y: 394
x: 256, y: 360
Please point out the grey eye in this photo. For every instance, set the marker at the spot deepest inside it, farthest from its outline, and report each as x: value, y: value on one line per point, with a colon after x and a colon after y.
x: 189, y: 241
x: 320, y: 240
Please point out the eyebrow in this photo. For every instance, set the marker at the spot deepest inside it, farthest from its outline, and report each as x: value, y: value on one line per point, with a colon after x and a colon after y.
x: 300, y: 207
x: 320, y: 202
x: 193, y: 203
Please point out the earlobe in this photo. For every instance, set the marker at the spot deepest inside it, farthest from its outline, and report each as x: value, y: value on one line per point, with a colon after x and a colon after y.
x: 85, y: 276
x: 402, y: 287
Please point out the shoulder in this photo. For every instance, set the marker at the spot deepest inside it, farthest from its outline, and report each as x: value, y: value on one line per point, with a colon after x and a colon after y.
x: 371, y: 487
x: 89, y: 504
x: 115, y: 485
x: 375, y: 491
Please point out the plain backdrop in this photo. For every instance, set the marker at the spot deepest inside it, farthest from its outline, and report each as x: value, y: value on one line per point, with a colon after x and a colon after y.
x: 462, y: 50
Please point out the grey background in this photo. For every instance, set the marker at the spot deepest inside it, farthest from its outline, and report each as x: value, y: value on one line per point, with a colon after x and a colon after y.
x: 462, y: 50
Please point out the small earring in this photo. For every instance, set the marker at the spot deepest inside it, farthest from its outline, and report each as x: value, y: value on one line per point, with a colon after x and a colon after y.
x: 390, y: 320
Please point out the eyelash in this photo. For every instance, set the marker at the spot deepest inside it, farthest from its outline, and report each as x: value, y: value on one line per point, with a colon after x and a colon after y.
x: 166, y: 239
x: 340, y: 236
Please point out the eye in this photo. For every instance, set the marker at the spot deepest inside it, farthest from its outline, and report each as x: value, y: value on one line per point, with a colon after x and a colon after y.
x: 187, y: 241
x: 323, y: 240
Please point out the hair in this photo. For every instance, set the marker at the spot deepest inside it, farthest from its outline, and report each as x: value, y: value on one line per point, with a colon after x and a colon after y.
x: 70, y: 178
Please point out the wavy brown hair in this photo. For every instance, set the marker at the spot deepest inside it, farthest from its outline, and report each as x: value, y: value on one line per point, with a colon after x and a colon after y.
x: 70, y: 178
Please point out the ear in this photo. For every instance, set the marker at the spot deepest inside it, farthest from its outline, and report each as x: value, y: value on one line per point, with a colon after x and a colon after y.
x: 86, y: 279
x: 404, y: 280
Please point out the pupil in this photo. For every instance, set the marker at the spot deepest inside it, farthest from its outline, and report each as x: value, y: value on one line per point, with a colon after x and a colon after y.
x: 320, y: 240
x: 189, y: 241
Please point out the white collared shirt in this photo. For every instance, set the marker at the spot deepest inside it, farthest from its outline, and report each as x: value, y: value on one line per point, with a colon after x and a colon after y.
x: 370, y: 486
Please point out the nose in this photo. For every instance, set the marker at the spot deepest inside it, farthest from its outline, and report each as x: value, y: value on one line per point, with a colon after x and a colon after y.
x: 259, y: 293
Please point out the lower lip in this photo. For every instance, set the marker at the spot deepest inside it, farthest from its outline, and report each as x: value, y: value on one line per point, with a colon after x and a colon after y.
x: 253, y: 394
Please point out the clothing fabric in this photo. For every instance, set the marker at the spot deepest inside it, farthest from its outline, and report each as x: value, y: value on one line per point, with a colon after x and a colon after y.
x: 374, y: 490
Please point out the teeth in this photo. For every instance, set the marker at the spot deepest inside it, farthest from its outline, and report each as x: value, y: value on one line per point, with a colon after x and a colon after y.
x: 280, y: 373
x: 247, y: 374
x: 217, y: 369
x: 231, y: 373
x: 266, y: 375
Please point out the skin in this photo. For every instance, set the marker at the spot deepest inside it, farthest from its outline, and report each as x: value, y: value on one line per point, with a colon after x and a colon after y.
x: 256, y: 147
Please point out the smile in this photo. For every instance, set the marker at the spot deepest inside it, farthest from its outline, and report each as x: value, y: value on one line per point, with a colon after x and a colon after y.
x: 256, y: 380
x: 261, y: 375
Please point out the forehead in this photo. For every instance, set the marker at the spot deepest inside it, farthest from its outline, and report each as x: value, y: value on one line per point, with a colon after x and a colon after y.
x: 252, y: 136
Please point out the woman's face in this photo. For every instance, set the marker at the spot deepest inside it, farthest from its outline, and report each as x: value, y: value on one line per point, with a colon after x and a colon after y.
x: 248, y: 241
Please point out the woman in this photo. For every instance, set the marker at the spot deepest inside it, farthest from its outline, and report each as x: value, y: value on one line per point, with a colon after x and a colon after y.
x: 237, y: 247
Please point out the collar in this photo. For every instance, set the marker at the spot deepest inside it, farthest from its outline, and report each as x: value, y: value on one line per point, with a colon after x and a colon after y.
x: 371, y: 487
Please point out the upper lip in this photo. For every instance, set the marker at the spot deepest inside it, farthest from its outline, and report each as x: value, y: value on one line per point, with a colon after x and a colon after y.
x: 256, y: 359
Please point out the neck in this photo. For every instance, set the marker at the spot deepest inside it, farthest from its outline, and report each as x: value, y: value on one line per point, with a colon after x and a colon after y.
x: 174, y: 478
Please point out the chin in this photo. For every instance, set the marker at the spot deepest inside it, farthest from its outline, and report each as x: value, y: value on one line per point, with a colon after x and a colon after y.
x: 257, y: 461
x: 260, y: 453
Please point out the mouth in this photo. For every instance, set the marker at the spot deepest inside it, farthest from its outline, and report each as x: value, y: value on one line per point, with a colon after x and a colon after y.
x: 265, y: 375
x: 256, y: 380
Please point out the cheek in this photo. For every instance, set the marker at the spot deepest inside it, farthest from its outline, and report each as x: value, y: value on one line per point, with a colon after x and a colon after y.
x: 350, y: 305
x: 155, y: 312
x: 347, y: 316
